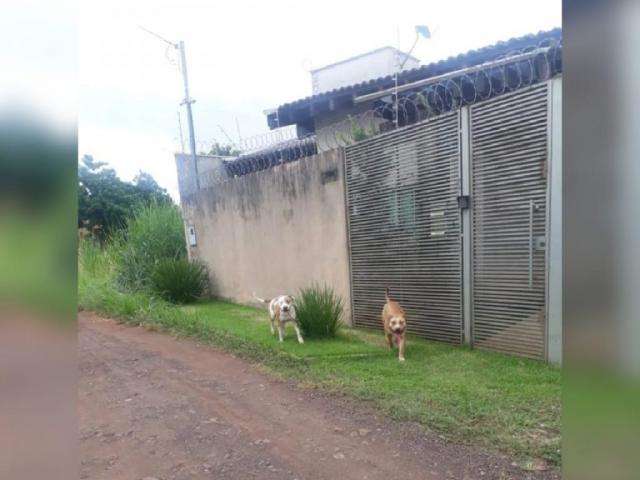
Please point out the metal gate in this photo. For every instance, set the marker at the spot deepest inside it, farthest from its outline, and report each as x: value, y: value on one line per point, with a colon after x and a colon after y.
x: 404, y: 226
x: 509, y: 152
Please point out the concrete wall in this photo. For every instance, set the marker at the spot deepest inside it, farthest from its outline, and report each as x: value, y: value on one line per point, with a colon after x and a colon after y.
x: 210, y: 171
x: 274, y: 231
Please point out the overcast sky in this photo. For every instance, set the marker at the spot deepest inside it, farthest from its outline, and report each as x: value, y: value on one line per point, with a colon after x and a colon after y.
x: 246, y: 56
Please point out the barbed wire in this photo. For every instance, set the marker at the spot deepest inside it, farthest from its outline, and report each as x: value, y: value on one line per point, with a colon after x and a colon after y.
x: 283, y: 152
x: 269, y: 139
x: 265, y: 141
x: 529, y: 66
x: 432, y: 97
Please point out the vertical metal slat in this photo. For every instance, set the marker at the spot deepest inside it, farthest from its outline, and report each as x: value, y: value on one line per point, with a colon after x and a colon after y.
x: 404, y: 226
x: 509, y: 145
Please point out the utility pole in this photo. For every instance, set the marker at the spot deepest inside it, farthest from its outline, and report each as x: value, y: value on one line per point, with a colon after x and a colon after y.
x: 187, y: 99
x: 180, y: 132
x: 187, y: 102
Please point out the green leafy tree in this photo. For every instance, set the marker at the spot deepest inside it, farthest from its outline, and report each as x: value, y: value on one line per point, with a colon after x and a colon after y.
x: 105, y: 201
x: 223, y: 150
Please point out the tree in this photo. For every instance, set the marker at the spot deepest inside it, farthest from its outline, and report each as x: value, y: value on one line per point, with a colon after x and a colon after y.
x: 105, y: 201
x: 223, y: 150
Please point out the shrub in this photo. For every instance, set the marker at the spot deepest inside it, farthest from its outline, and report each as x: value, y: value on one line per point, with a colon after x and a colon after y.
x: 319, y: 311
x: 155, y: 233
x: 179, y: 280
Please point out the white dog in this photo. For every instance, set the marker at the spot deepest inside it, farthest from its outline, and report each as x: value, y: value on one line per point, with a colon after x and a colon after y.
x: 282, y: 310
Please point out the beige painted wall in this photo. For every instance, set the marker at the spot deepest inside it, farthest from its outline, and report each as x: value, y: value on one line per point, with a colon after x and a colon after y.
x: 274, y: 231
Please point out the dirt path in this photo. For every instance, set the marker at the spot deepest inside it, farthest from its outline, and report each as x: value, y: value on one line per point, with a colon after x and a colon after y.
x: 153, y: 406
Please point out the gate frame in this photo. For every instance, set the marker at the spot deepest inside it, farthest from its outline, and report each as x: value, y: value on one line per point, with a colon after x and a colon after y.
x: 554, y: 231
x: 345, y: 190
x: 466, y: 226
x: 553, y: 335
x: 553, y: 241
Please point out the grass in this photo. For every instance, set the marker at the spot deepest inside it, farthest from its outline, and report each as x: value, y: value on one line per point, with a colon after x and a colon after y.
x: 502, y: 403
x: 319, y: 311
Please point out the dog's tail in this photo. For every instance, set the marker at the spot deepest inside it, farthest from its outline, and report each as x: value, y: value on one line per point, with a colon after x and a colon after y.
x: 261, y: 300
x: 386, y: 294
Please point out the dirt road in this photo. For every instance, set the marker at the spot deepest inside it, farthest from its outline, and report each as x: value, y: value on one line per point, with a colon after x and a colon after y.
x: 151, y: 406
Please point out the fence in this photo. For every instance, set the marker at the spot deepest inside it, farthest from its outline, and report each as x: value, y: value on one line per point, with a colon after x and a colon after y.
x: 415, y: 103
x: 406, y: 208
x: 447, y: 196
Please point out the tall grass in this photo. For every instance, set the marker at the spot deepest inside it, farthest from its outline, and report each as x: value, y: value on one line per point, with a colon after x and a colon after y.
x: 147, y: 257
x: 155, y: 233
x: 319, y: 311
x: 96, y: 260
x: 91, y: 258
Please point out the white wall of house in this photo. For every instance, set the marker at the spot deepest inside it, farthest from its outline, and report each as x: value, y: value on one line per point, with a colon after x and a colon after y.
x: 378, y: 63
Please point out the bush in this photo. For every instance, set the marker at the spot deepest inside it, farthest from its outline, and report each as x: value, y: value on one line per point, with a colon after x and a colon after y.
x: 154, y: 234
x: 319, y: 312
x: 179, y: 281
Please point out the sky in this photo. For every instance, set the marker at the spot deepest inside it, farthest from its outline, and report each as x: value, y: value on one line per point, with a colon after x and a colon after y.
x: 244, y: 57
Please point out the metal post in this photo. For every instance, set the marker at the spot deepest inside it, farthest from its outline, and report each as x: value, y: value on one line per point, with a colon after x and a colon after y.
x: 187, y: 102
x: 467, y: 232
x: 180, y: 131
x: 554, y: 222
x: 395, y: 96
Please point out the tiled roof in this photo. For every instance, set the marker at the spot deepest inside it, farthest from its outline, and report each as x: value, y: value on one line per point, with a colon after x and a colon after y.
x: 289, y: 113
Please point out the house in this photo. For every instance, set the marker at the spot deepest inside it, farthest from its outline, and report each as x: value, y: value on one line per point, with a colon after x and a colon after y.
x: 451, y: 196
x: 319, y: 113
x: 367, y: 66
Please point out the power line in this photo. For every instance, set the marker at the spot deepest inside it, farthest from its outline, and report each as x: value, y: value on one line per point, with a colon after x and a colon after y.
x: 175, y: 45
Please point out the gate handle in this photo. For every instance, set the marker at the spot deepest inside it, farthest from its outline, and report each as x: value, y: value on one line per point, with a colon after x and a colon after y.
x: 532, y: 208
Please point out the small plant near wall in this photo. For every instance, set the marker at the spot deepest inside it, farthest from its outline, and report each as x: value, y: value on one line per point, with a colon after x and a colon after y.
x: 180, y: 280
x: 319, y: 311
x: 358, y: 132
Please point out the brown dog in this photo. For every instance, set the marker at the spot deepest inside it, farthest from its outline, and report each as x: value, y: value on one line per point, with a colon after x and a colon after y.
x: 395, y: 324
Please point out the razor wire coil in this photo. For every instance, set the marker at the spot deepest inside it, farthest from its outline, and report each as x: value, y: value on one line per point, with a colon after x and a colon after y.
x: 530, y: 65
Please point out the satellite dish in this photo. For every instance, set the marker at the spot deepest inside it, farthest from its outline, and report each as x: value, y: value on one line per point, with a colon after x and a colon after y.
x: 423, y: 30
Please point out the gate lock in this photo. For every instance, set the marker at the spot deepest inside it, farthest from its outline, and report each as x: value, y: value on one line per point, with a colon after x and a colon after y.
x: 463, y: 202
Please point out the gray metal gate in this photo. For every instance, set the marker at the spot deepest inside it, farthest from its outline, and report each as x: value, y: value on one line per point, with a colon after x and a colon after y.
x: 509, y: 152
x: 404, y: 226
